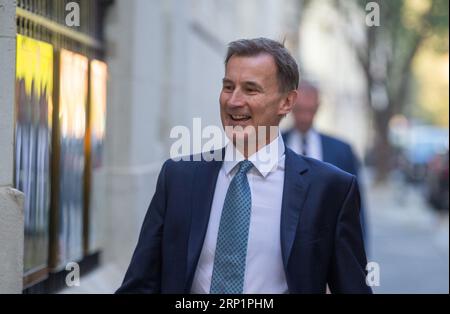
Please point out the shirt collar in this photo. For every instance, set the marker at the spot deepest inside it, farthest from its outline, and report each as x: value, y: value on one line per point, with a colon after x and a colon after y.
x: 264, y: 160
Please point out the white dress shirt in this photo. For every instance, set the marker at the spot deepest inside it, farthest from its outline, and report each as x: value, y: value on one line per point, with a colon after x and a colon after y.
x: 264, y: 271
x: 314, y: 143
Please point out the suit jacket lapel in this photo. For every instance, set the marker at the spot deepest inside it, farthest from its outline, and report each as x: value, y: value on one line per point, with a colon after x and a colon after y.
x: 203, y: 188
x: 294, y: 196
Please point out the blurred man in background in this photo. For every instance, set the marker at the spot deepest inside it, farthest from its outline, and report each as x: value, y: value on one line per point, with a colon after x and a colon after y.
x: 305, y: 140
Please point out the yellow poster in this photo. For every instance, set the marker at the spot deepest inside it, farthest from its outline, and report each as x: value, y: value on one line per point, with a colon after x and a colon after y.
x: 34, y: 92
x: 35, y: 68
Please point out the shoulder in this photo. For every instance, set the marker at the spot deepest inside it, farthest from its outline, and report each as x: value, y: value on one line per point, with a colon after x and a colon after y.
x: 321, y: 172
x: 337, y: 145
x: 325, y: 171
x: 335, y: 141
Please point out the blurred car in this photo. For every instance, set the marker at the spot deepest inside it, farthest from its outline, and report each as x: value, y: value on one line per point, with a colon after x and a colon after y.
x: 419, y: 149
x: 437, y: 185
x: 414, y: 162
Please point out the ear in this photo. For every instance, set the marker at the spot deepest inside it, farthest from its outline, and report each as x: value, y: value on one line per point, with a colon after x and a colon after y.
x: 288, y: 102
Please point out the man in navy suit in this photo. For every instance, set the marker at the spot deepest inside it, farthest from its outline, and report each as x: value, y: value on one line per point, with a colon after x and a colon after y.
x: 305, y: 140
x: 251, y: 218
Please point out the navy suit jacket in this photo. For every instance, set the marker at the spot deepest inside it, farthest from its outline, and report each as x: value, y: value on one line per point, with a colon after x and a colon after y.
x: 321, y: 237
x: 340, y: 154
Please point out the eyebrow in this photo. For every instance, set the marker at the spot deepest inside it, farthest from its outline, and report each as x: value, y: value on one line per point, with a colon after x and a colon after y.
x: 253, y: 85
x: 246, y: 83
x: 225, y: 80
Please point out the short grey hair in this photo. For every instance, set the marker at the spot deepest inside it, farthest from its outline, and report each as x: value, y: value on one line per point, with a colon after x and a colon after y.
x: 287, y: 69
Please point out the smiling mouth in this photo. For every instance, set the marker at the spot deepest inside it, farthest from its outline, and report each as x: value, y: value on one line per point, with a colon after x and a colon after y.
x: 241, y: 118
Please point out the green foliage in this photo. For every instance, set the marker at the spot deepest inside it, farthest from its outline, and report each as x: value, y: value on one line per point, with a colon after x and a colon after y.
x: 404, y: 26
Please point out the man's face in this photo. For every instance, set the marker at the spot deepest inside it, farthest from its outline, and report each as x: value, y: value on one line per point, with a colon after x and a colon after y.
x: 250, y: 96
x: 305, y: 109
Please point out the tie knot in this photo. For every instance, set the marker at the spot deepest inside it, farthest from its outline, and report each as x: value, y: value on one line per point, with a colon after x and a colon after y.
x: 245, y: 166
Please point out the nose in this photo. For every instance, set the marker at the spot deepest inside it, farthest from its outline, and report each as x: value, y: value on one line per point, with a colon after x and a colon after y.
x: 236, y: 99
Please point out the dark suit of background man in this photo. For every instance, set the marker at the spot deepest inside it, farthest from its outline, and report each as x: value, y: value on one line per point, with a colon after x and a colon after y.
x: 304, y: 139
x: 264, y: 221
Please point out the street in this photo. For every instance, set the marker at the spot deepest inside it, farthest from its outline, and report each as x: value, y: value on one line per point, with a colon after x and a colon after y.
x: 408, y: 240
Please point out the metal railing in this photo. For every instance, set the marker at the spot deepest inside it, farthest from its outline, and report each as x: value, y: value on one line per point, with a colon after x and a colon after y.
x: 46, y: 20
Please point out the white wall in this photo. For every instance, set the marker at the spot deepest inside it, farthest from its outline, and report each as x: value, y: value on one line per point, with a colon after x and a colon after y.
x: 133, y: 146
x: 11, y: 200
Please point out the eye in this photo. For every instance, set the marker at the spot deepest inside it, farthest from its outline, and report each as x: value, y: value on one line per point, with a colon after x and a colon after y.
x: 251, y: 90
x: 227, y: 88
